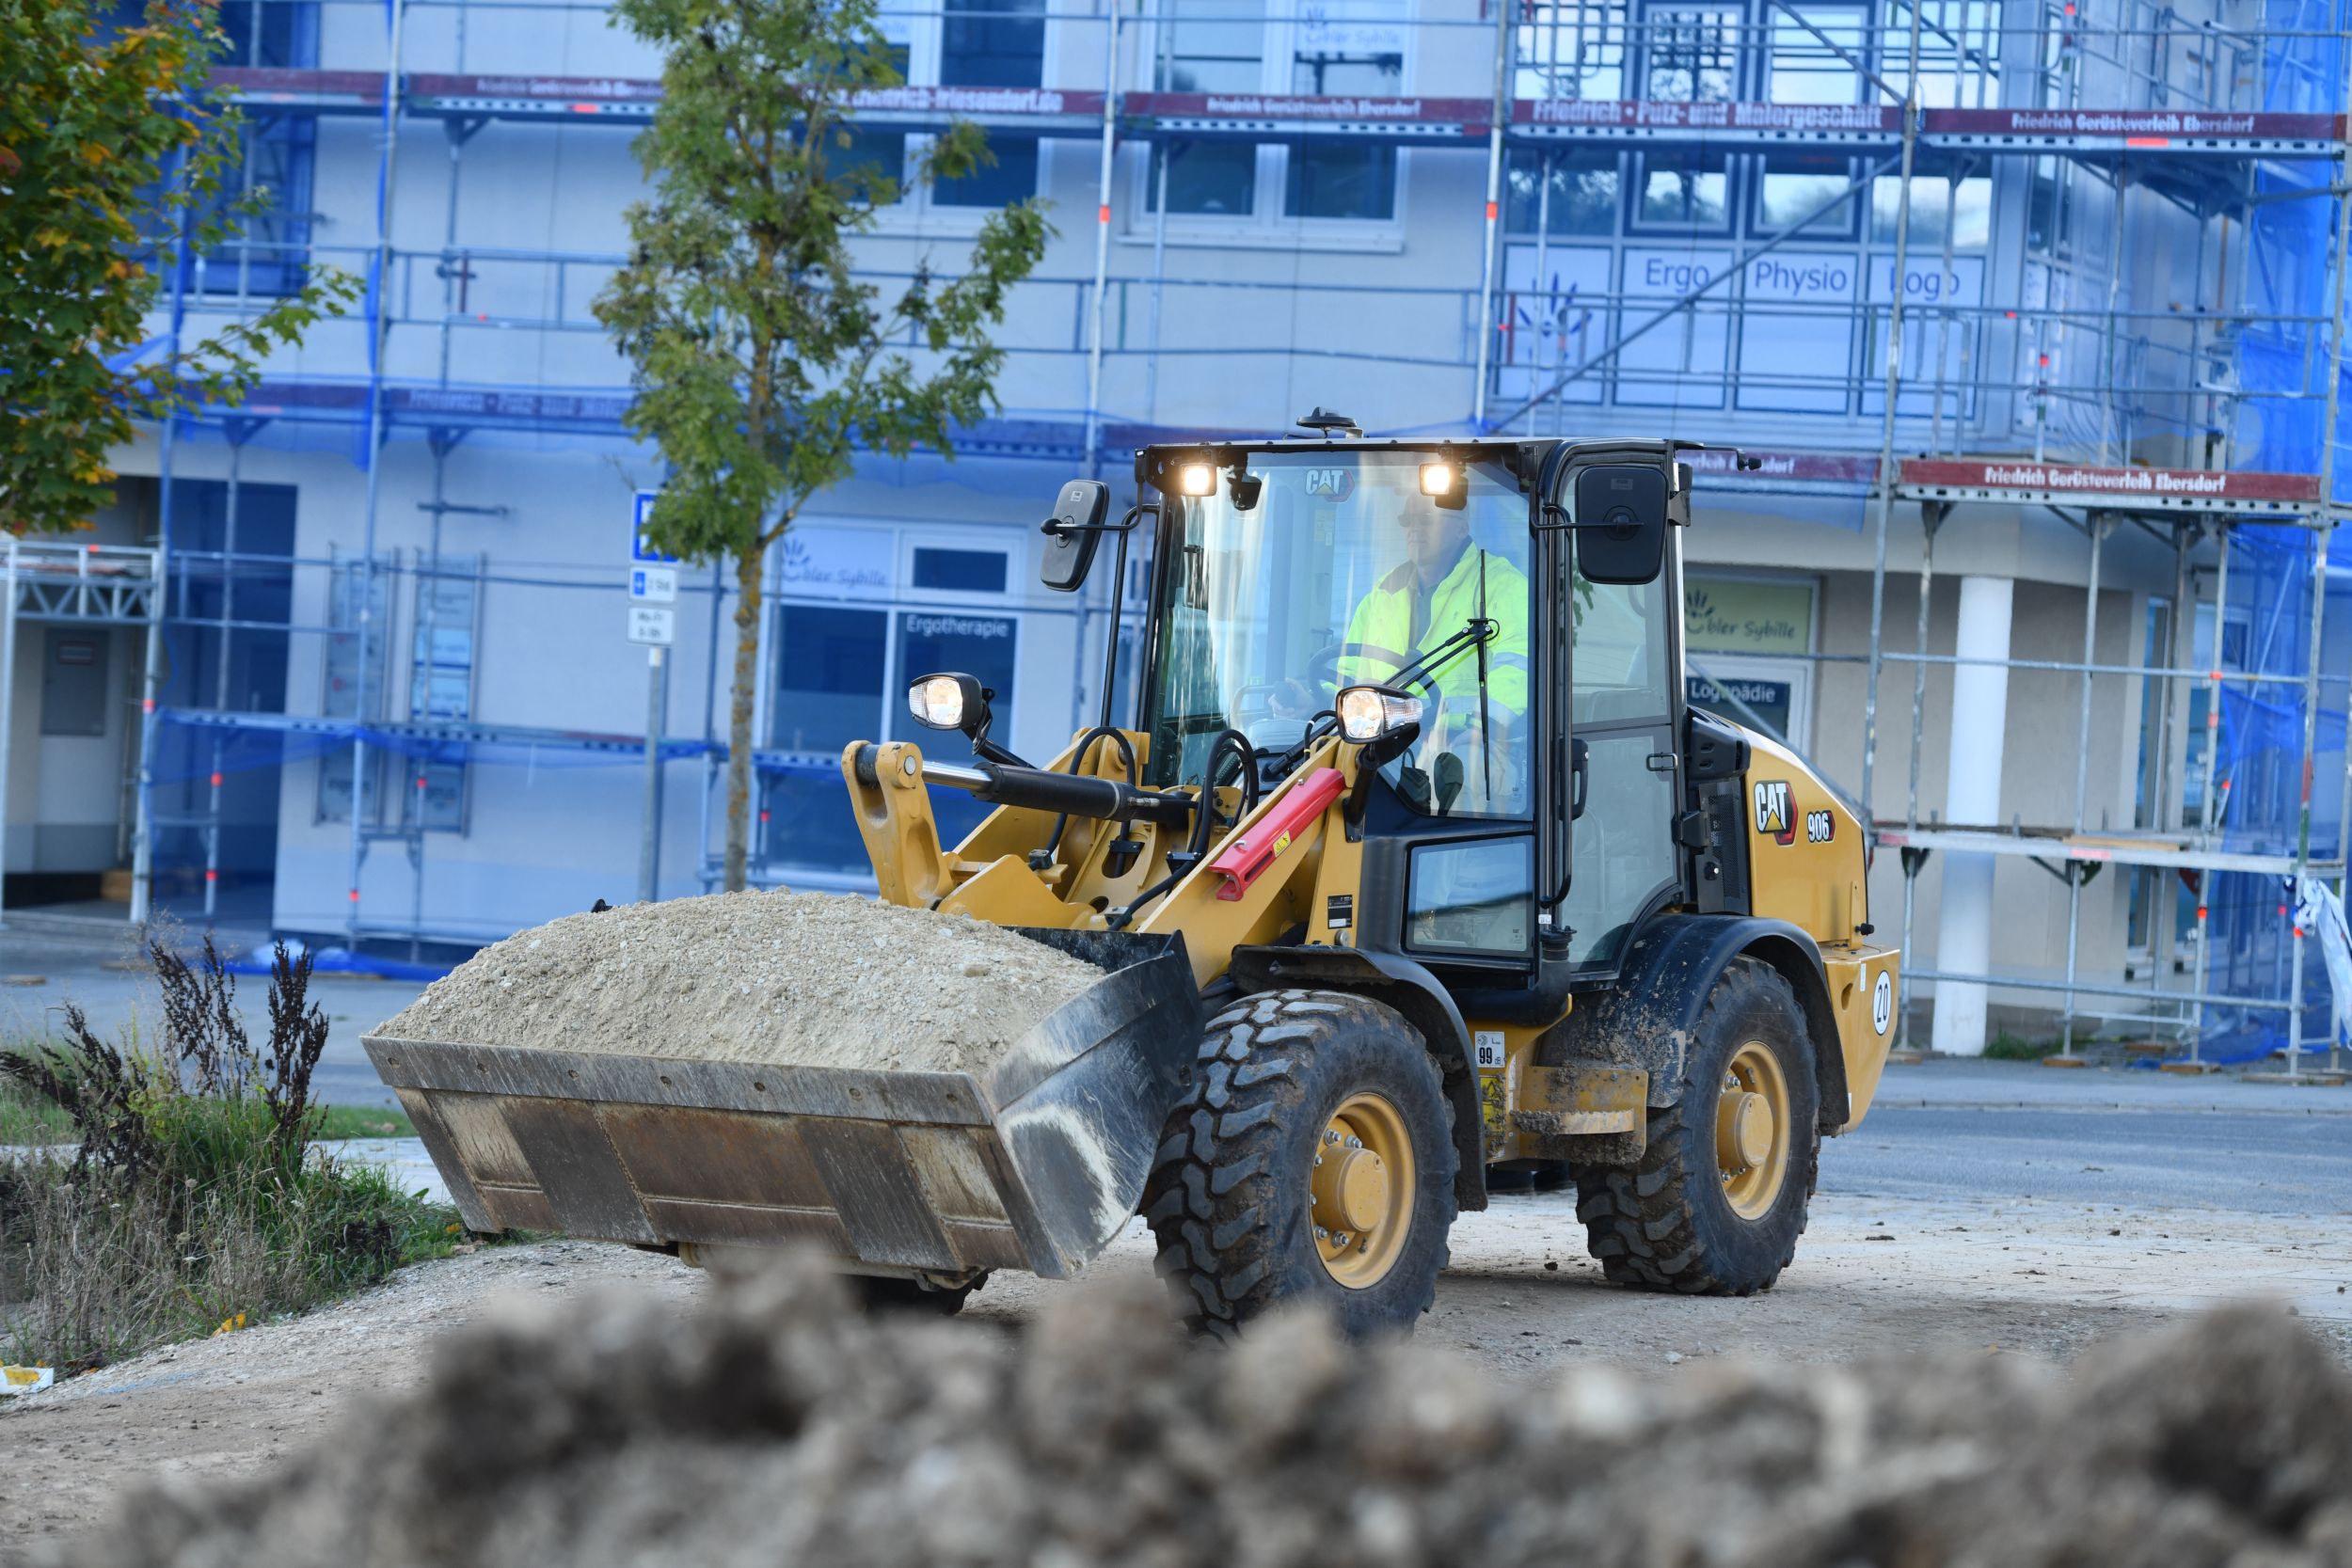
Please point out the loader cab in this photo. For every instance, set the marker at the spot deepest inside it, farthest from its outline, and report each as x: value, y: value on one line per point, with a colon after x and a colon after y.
x: 1519, y: 600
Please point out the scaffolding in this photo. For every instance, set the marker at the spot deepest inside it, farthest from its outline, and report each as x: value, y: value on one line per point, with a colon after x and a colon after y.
x: 2211, y: 426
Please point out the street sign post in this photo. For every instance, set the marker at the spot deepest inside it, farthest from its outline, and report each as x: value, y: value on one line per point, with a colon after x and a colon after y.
x: 640, y: 551
x: 653, y: 584
x: 652, y: 588
x: 654, y: 628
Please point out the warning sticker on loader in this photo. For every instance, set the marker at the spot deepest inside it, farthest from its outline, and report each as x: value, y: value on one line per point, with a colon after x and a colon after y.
x: 1774, y: 813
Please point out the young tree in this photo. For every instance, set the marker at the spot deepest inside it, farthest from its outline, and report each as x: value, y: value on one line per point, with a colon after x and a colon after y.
x: 108, y: 147
x: 761, y: 364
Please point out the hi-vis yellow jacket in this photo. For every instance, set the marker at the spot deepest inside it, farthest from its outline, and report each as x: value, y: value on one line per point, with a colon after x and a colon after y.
x: 1396, y: 623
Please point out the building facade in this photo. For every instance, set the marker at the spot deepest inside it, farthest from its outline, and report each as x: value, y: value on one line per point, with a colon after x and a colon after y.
x: 395, y: 702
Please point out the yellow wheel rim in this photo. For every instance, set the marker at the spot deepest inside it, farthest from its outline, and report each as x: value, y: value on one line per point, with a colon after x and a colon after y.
x: 1362, y: 1184
x: 1751, y: 1130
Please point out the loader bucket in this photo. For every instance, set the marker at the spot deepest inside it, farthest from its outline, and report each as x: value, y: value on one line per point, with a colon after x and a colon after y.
x: 1034, y: 1163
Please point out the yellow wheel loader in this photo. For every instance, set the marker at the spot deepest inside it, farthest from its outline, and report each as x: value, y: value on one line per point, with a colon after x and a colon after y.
x: 1415, y: 866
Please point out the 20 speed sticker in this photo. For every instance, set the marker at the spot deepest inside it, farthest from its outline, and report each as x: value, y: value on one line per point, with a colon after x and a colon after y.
x: 1882, y: 1000
x: 1819, y: 827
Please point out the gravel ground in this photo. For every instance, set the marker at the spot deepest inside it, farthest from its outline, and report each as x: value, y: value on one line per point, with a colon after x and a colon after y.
x: 774, y: 1425
x: 1873, y: 1278
x: 813, y: 979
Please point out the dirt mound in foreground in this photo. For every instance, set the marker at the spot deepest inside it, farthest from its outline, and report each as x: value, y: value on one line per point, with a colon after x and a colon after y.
x: 813, y: 979
x: 773, y: 1427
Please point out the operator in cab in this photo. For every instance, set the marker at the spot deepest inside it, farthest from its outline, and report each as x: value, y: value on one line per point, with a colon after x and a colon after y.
x: 1451, y: 618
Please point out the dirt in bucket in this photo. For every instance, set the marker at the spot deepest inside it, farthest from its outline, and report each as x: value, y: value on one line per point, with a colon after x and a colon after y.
x: 812, y: 978
x: 773, y: 1425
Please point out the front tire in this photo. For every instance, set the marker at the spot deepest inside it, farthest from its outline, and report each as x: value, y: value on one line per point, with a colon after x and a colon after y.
x: 1314, y: 1162
x: 1719, y: 1200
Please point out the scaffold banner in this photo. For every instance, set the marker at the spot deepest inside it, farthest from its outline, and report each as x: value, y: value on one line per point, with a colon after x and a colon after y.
x: 2026, y: 479
x: 2135, y: 124
x: 592, y: 90
x: 1635, y: 113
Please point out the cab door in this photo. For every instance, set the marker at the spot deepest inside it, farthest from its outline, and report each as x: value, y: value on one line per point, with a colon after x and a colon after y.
x: 1623, y: 861
x: 1613, y: 857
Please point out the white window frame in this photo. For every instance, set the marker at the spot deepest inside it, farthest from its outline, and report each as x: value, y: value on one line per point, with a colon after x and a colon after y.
x: 1265, y: 226
x: 915, y: 215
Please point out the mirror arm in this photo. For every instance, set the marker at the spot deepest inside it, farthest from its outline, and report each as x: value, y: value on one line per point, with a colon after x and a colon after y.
x: 1125, y: 527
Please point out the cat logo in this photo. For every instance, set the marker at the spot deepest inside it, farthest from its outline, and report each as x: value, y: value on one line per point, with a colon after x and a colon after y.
x: 1773, y: 813
x: 1329, y: 484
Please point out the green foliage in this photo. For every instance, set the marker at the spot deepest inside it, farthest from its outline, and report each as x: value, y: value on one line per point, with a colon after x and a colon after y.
x: 103, y: 144
x: 194, y: 1198
x: 2006, y: 1047
x: 760, y: 363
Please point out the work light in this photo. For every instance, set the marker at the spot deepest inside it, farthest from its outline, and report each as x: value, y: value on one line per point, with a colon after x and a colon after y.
x: 1439, y: 478
x: 1369, y: 713
x: 1197, y: 479
x: 941, y: 702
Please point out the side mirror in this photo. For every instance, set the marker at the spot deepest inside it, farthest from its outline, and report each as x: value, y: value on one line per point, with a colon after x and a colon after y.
x: 1621, y: 518
x: 1073, y: 534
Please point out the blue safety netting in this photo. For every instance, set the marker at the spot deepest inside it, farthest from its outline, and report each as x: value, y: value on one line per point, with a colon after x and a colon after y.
x: 2268, y: 804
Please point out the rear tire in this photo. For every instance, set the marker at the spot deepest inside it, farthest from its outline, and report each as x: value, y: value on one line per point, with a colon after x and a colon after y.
x: 1312, y: 1162
x: 1719, y: 1200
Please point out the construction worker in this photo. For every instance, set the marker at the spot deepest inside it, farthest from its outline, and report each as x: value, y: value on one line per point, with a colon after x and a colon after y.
x: 1447, y: 586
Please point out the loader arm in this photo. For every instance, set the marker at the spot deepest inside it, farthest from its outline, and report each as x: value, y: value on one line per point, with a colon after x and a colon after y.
x: 1274, y: 870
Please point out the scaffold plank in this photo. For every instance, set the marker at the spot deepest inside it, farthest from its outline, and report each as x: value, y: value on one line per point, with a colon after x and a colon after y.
x: 2053, y: 844
x: 2143, y: 135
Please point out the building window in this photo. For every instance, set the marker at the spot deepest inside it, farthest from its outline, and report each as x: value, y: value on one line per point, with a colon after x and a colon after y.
x: 1334, y: 179
x: 1801, y: 191
x: 1012, y: 177
x: 1344, y: 48
x: 1691, y: 53
x: 1583, y: 195
x: 1572, y: 49
x: 992, y: 44
x: 959, y: 571
x: 264, y: 254
x: 1935, y: 204
x: 1806, y: 65
x: 1213, y: 47
x: 1685, y: 190
x: 1215, y: 178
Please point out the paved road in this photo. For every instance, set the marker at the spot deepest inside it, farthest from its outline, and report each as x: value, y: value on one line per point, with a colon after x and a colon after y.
x: 2015, y: 1131
x: 74, y: 967
x: 1997, y: 1131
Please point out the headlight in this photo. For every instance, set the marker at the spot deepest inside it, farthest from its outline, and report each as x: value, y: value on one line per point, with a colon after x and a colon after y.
x: 938, y: 701
x: 1439, y: 478
x: 1369, y: 712
x: 1197, y: 479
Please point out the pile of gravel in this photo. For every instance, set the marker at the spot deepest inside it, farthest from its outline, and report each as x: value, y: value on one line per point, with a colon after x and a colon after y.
x: 773, y: 1427
x: 818, y: 979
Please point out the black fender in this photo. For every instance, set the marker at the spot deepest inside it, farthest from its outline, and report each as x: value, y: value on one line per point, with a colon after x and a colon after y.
x: 1647, y: 1019
x: 1413, y: 992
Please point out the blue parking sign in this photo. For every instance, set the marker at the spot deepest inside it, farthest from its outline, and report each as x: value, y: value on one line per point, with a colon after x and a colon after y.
x: 637, y: 549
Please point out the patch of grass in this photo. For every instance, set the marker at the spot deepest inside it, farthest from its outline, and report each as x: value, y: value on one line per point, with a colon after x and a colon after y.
x: 362, y: 1122
x: 26, y: 1118
x: 2006, y: 1047
x: 195, y: 1197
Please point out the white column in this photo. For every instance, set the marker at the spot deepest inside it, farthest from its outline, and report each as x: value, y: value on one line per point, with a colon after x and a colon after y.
x: 1972, y: 798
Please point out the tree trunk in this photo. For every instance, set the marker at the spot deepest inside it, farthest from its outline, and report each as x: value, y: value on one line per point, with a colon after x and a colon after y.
x: 749, y: 571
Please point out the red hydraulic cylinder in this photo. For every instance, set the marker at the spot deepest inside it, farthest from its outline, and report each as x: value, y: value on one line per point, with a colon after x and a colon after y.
x: 1244, y: 861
